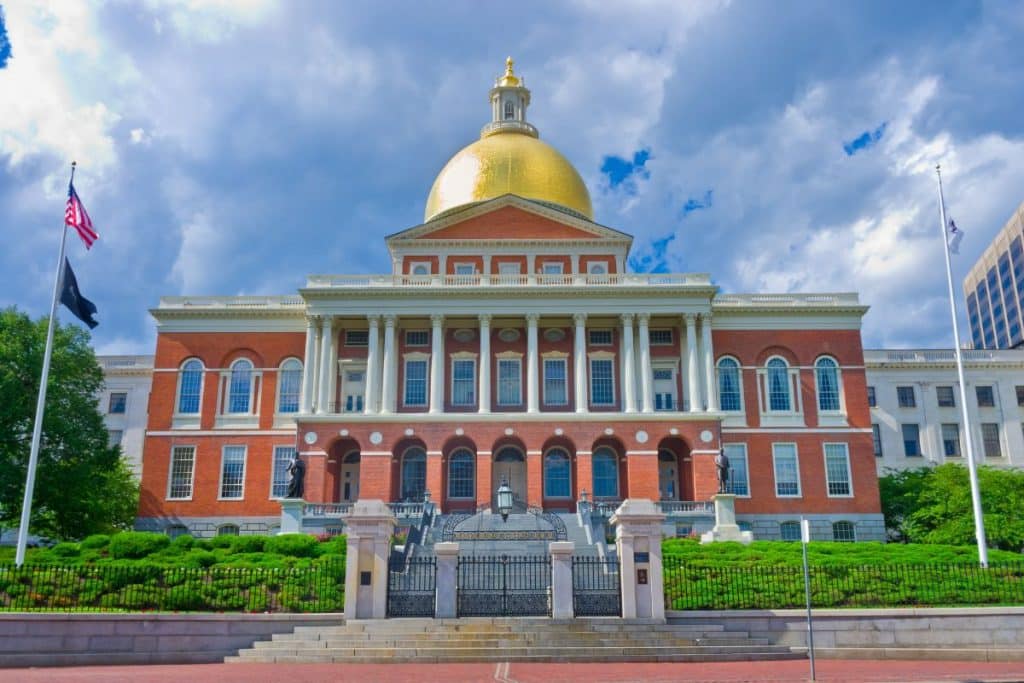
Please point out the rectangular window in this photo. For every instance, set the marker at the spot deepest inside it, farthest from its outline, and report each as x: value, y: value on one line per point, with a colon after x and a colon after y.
x: 417, y: 338
x: 872, y: 402
x: 951, y: 440
x: 600, y: 337
x: 279, y: 468
x: 837, y: 470
x: 183, y: 460
x: 986, y: 397
x: 990, y: 439
x: 661, y: 337
x: 911, y: 440
x: 415, y: 382
x: 510, y: 382
x: 118, y: 403
x: 739, y: 477
x: 876, y: 440
x: 357, y: 337
x: 787, y: 470
x: 1020, y: 395
x: 905, y: 397
x: 463, y: 382
x: 945, y: 397
x: 464, y: 268
x: 552, y: 268
x: 232, y: 472
x: 114, y: 437
x: 555, y: 391
x: 602, y: 386
x: 508, y: 269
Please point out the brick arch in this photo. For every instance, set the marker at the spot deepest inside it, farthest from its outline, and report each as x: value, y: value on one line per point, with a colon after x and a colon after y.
x: 775, y: 350
x: 681, y: 449
x: 563, y: 442
x: 241, y: 352
x: 513, y: 441
x: 397, y: 451
x: 615, y: 444
x: 452, y: 445
x: 336, y: 450
x: 457, y: 442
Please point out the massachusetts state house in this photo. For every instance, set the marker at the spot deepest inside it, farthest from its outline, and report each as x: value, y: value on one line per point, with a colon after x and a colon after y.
x: 510, y: 344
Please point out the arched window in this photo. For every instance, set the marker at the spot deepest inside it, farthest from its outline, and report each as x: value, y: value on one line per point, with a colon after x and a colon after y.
x: 240, y: 386
x: 826, y: 371
x: 606, y: 473
x: 420, y: 269
x: 843, y: 531
x: 289, y: 386
x: 556, y: 474
x: 789, y: 531
x: 414, y: 474
x: 778, y: 386
x: 510, y: 110
x: 461, y: 470
x: 175, y: 530
x: 190, y: 386
x: 227, y: 530
x: 729, y: 385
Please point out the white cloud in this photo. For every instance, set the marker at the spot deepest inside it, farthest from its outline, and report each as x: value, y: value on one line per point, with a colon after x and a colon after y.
x: 211, y: 21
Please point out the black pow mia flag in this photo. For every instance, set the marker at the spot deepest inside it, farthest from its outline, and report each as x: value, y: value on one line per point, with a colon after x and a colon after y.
x: 83, y: 309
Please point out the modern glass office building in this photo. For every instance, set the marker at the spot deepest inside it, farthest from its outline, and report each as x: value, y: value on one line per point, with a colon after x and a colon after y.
x: 994, y: 288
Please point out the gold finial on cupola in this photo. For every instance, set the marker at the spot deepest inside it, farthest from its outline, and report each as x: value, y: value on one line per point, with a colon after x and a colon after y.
x: 509, y: 79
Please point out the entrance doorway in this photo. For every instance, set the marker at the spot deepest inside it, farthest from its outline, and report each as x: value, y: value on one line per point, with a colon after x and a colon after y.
x: 510, y: 466
x: 668, y: 475
x: 350, y: 478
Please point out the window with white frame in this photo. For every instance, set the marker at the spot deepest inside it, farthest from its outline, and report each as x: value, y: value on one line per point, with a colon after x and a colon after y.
x: 240, y: 387
x: 175, y: 530
x: 730, y: 398
x: 844, y: 532
x: 420, y: 268
x: 114, y: 437
x: 463, y: 381
x: 228, y: 530
x: 555, y: 384
x: 990, y: 439
x: 872, y: 399
x: 787, y: 470
x: 911, y: 440
x: 179, y: 483
x: 597, y: 268
x: 414, y: 474
x: 905, y: 397
x: 602, y: 382
x: 417, y: 338
x: 415, y: 392
x: 837, y: 470
x: 876, y: 440
x: 510, y: 111
x: 944, y: 397
x: 779, y: 395
x: 552, y: 268
x: 465, y: 268
x: 826, y: 375
x: 790, y: 531
x: 510, y: 383
x: 664, y: 388
x: 951, y: 439
x: 600, y: 337
x: 557, y: 474
x: 118, y: 402
x: 461, y: 474
x: 661, y: 337
x: 232, y: 473
x: 986, y: 396
x: 739, y: 472
x: 357, y: 337
x: 509, y: 269
x: 289, y: 386
x: 279, y: 483
x: 605, y: 465
x: 190, y: 386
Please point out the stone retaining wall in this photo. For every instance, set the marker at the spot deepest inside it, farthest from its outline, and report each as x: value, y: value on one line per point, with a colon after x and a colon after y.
x: 35, y: 639
x: 975, y: 633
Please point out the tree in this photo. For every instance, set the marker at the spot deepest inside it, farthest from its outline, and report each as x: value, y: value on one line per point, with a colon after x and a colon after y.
x: 933, y: 505
x: 83, y: 485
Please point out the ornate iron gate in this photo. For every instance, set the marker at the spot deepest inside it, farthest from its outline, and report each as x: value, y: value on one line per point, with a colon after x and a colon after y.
x: 411, y: 587
x: 504, y: 586
x: 596, y: 587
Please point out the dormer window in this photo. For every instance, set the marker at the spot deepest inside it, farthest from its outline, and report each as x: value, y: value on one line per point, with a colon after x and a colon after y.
x: 510, y: 111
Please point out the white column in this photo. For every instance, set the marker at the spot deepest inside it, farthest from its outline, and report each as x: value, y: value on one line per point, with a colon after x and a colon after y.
x: 309, y: 365
x: 646, y: 388
x: 532, y: 389
x: 580, y: 362
x: 437, y: 364
x: 708, y: 351
x: 628, y: 365
x: 484, y: 364
x: 692, y: 379
x: 326, y: 364
x: 372, y: 366
x: 389, y: 375
x: 561, y: 578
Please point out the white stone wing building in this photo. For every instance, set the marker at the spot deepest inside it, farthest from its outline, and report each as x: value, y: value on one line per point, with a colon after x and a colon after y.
x: 124, y: 403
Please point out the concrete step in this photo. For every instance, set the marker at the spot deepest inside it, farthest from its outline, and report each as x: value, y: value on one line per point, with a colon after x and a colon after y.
x: 562, y: 650
x: 501, y: 633
x: 751, y: 654
x: 283, y: 644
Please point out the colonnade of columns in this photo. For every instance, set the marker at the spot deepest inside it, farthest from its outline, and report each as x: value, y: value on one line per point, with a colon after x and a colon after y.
x: 320, y: 371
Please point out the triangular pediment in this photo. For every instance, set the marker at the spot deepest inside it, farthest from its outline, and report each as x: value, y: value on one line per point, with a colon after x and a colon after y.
x: 510, y: 218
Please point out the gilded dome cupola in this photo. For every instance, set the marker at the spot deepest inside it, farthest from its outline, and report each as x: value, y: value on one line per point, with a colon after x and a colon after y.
x: 509, y: 158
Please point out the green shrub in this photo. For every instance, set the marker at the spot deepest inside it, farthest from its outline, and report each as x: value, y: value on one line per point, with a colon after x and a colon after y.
x: 137, y: 544
x: 65, y: 551
x: 337, y: 545
x: 248, y: 544
x: 183, y: 543
x: 199, y: 558
x: 95, y: 542
x: 293, y: 545
x: 218, y: 542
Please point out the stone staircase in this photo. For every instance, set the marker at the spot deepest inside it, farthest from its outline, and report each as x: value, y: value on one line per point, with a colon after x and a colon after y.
x: 513, y: 640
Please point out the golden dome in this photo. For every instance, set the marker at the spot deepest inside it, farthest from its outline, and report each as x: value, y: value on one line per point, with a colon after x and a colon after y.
x: 508, y: 163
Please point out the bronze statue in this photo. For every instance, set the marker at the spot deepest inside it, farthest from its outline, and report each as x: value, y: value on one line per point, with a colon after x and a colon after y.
x: 722, y: 463
x: 297, y: 471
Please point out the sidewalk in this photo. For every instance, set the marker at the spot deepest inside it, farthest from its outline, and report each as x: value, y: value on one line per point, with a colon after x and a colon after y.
x: 829, y: 670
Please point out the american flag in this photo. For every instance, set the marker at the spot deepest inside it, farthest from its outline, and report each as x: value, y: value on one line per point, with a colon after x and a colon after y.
x: 76, y: 216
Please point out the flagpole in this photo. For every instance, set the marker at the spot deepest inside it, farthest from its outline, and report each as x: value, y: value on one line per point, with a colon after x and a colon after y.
x: 979, y: 520
x: 37, y: 429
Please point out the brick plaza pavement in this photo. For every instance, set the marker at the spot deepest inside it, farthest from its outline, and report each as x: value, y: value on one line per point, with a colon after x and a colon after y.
x: 828, y: 670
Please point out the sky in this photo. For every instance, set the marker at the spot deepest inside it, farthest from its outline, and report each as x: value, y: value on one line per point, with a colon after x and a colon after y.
x: 232, y: 147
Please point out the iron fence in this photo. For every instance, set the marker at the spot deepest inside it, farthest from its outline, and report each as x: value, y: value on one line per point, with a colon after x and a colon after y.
x: 596, y: 587
x: 412, y: 587
x: 689, y: 587
x: 319, y: 587
x: 504, y: 586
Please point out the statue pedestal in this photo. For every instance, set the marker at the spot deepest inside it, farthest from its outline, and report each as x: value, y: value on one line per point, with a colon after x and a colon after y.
x: 291, y: 515
x: 725, y: 528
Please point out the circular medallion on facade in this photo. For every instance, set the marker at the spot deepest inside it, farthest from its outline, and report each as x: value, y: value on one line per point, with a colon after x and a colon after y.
x: 706, y: 436
x: 309, y: 438
x: 376, y: 438
x: 559, y: 431
x: 674, y: 431
x: 409, y: 432
x: 343, y: 432
x: 609, y: 431
x: 509, y: 334
x: 460, y: 431
x: 509, y: 431
x: 641, y: 436
x: 464, y: 335
x: 554, y: 334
